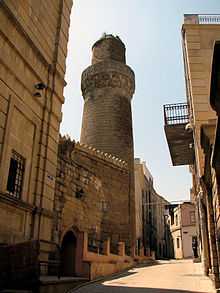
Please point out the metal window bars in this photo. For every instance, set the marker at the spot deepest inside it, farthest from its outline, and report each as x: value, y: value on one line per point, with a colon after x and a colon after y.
x: 202, y: 19
x: 95, y: 245
x: 16, y: 175
x: 176, y: 113
x: 209, y: 19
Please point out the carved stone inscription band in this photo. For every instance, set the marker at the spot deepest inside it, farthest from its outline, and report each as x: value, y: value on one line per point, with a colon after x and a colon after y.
x: 110, y: 79
x: 95, y: 78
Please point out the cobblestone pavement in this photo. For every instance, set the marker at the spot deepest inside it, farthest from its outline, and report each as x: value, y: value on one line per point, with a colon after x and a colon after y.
x: 166, y: 277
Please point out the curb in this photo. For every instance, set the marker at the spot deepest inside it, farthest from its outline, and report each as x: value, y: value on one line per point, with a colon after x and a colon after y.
x: 97, y: 280
x: 106, y: 277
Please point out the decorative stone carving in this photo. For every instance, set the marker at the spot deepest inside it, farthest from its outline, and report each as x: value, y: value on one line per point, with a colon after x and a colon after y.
x: 106, y: 74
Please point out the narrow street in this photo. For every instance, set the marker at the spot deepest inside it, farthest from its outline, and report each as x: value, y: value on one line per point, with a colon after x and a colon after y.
x: 167, y: 276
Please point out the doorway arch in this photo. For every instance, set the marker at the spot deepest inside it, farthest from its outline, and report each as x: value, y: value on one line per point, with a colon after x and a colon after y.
x: 68, y: 254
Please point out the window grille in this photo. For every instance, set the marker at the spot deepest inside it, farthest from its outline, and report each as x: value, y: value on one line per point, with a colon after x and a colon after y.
x: 16, y: 175
x: 176, y: 113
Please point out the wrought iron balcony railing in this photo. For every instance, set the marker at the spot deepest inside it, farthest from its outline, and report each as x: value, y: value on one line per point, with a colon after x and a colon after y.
x: 201, y: 18
x: 176, y: 114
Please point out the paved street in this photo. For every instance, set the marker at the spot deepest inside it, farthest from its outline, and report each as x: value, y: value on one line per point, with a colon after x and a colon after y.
x: 174, y: 276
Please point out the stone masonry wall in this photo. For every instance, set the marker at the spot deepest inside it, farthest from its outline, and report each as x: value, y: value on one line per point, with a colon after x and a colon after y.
x: 33, y: 49
x: 104, y: 205
x: 199, y: 44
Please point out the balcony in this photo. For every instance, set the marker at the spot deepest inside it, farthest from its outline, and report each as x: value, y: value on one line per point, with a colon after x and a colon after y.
x: 180, y: 140
x: 201, y: 19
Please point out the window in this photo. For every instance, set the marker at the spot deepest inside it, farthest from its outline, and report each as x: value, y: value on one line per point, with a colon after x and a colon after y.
x: 177, y: 242
x: 192, y: 217
x: 16, y: 175
x: 172, y: 218
x: 176, y: 219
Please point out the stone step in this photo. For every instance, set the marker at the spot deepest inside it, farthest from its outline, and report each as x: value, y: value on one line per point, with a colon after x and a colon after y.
x: 64, y: 284
x: 55, y: 279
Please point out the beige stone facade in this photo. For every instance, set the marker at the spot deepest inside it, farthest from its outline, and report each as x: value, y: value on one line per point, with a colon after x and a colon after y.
x: 91, y: 196
x: 102, y: 182
x: 198, y: 45
x: 33, y: 49
x: 163, y: 235
x: 182, y: 222
x: 75, y: 200
x: 195, y: 124
x: 69, y: 208
x: 152, y: 233
x: 200, y: 34
x: 143, y: 185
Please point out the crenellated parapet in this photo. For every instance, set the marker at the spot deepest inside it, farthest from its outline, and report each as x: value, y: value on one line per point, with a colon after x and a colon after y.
x: 67, y: 148
x: 108, y: 158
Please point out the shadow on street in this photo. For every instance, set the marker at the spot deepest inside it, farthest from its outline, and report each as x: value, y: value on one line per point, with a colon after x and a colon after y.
x: 100, y: 288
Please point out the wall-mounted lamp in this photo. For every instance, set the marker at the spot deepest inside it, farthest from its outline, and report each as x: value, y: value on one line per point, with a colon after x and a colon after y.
x: 40, y: 86
x: 37, y: 95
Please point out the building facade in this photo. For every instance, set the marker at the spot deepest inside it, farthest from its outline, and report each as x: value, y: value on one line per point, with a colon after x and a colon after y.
x: 91, y: 195
x: 196, y: 122
x: 33, y: 38
x: 152, y: 231
x: 69, y: 207
x: 163, y: 233
x: 182, y: 222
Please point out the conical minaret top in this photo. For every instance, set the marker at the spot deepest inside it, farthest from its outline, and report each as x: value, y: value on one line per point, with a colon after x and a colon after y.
x: 107, y: 87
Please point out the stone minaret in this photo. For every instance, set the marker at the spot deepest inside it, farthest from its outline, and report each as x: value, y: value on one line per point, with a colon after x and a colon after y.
x: 108, y: 86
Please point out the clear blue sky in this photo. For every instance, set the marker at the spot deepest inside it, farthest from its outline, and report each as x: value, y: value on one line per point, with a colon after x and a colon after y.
x: 151, y: 31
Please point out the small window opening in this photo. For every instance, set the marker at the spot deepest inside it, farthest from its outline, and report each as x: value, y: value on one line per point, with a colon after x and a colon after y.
x: 177, y: 242
x: 177, y: 222
x: 16, y: 175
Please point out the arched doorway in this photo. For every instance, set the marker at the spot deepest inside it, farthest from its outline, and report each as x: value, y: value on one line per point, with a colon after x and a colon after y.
x: 68, y: 254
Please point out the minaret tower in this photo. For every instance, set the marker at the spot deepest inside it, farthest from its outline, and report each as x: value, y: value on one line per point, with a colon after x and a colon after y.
x: 107, y: 87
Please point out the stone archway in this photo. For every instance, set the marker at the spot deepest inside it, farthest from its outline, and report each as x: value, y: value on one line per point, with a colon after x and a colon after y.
x: 68, y: 254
